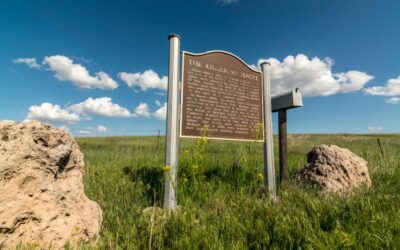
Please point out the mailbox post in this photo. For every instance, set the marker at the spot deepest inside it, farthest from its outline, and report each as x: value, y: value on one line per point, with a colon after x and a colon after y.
x: 283, y: 153
x: 281, y: 104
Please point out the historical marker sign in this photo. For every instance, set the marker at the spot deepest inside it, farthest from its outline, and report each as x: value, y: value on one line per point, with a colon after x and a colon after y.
x: 223, y: 93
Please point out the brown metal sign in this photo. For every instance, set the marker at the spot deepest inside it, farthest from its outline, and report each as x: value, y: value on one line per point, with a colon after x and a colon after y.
x: 222, y: 94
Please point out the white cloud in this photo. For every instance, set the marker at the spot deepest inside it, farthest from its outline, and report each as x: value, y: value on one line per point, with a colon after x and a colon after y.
x: 100, y: 106
x: 393, y: 100
x: 66, y: 70
x: 31, y: 62
x: 375, y: 129
x: 10, y: 121
x: 83, y: 59
x: 64, y: 127
x: 48, y: 112
x: 104, y: 106
x: 391, y: 89
x: 142, y: 110
x: 72, y: 113
x: 146, y: 80
x: 85, y: 132
x: 161, y: 113
x: 158, y: 103
x: 101, y: 128
x: 313, y: 76
x: 226, y: 2
x: 352, y: 80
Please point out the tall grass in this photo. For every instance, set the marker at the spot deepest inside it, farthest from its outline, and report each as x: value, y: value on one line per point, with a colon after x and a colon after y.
x: 221, y: 198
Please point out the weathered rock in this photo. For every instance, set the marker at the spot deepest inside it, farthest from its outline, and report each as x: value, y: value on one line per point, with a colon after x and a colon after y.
x: 42, y: 200
x: 334, y: 169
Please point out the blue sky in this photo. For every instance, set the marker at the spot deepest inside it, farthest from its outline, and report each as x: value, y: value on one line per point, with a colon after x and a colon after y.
x: 99, y: 67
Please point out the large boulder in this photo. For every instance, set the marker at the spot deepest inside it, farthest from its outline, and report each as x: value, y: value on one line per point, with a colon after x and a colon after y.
x: 42, y: 200
x: 334, y: 169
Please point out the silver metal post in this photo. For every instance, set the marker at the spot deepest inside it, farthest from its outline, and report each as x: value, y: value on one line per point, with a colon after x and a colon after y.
x: 269, y: 164
x: 171, y: 148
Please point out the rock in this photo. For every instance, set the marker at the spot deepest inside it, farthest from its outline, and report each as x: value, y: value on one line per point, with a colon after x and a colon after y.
x: 42, y: 200
x: 334, y: 169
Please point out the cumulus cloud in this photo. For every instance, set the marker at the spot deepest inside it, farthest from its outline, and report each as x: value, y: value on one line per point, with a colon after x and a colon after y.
x: 142, y: 110
x: 48, y: 112
x: 226, y: 2
x: 313, y: 76
x: 101, y: 128
x: 66, y: 70
x: 91, y: 130
x: 72, y: 113
x: 31, y: 62
x: 375, y: 129
x: 82, y: 59
x: 393, y: 100
x: 352, y: 80
x: 146, y: 80
x: 64, y: 127
x: 84, y: 132
x: 161, y: 113
x: 392, y: 88
x: 100, y: 106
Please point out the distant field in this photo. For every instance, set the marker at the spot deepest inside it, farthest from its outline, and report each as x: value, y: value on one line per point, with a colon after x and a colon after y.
x: 221, y: 199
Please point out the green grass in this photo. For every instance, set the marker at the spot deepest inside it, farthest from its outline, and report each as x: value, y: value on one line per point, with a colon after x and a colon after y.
x: 220, y: 193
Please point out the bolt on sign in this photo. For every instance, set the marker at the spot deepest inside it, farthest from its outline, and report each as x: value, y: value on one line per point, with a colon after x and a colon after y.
x: 222, y: 94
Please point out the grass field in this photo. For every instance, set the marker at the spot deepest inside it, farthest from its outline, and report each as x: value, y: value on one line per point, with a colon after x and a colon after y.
x: 221, y: 197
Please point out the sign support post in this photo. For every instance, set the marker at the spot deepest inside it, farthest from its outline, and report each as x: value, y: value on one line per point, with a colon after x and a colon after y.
x: 172, y: 135
x: 269, y: 164
x: 283, y: 164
